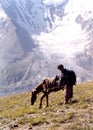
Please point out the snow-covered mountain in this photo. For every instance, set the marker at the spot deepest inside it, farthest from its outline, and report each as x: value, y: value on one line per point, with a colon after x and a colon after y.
x: 37, y: 35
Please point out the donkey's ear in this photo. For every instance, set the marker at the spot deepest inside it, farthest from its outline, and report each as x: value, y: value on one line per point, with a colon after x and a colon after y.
x: 44, y: 81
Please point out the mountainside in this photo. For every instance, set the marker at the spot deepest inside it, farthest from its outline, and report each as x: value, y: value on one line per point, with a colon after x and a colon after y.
x: 37, y: 35
x: 17, y: 113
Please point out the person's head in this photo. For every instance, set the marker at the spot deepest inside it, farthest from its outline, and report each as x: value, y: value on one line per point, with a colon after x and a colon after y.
x: 60, y: 67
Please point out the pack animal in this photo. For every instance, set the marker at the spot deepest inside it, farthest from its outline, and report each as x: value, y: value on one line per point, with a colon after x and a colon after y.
x: 46, y: 86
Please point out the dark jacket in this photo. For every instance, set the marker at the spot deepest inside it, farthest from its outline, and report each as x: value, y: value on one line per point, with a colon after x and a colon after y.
x: 68, y: 77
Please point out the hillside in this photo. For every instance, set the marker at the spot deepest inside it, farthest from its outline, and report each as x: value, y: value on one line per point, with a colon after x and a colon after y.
x: 16, y: 113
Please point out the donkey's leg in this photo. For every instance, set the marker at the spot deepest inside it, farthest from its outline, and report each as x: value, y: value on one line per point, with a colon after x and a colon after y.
x: 46, y: 100
x: 40, y: 106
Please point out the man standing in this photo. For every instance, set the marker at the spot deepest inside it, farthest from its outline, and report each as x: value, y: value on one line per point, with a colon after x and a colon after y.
x: 68, y: 79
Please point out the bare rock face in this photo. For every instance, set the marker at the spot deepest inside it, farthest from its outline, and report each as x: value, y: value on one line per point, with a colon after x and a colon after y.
x: 36, y: 36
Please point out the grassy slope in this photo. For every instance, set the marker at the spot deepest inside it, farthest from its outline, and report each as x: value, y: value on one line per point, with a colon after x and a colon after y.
x: 75, y: 116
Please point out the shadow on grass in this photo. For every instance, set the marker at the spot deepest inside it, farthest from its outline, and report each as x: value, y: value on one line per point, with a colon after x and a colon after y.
x: 72, y: 102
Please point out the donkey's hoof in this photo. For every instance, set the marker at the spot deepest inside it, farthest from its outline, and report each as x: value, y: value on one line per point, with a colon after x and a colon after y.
x: 40, y: 107
x: 46, y: 106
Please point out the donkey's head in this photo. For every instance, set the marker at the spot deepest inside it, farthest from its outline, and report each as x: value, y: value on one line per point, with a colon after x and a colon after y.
x: 33, y: 97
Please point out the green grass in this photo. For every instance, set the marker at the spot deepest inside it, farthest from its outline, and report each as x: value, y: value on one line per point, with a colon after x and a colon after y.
x: 32, y: 120
x: 75, y: 116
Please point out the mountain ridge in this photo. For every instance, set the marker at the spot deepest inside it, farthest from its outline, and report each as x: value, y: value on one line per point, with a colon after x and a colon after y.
x: 36, y: 36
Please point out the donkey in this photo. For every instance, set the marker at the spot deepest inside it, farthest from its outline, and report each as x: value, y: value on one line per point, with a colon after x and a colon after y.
x: 46, y: 86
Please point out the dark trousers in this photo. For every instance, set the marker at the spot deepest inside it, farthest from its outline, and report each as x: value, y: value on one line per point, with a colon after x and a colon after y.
x: 68, y: 93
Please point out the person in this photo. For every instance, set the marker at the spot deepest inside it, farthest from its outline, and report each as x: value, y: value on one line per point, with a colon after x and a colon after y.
x: 68, y: 79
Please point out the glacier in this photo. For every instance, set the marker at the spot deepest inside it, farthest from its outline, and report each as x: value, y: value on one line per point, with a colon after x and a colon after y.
x: 37, y: 35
